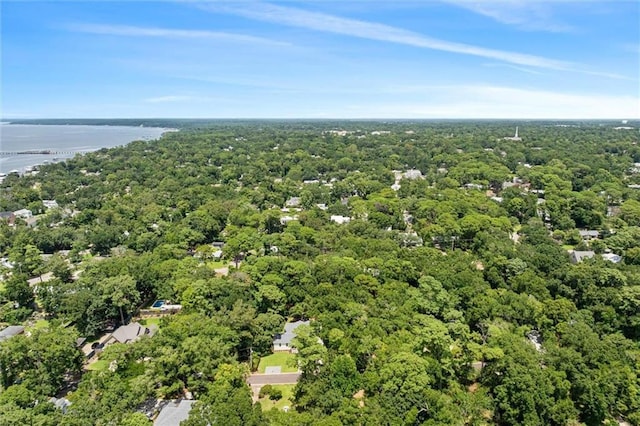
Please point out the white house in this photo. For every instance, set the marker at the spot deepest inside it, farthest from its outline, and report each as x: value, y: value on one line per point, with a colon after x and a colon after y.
x: 282, y: 341
x: 340, y: 219
x: 23, y: 213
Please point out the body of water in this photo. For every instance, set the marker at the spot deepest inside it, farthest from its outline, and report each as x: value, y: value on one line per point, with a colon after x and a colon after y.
x: 70, y: 139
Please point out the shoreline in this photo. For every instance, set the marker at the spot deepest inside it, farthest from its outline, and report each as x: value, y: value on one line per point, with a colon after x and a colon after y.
x: 81, y: 139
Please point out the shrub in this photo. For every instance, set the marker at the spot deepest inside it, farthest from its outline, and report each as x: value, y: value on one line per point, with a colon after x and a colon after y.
x: 276, y: 394
x: 265, y: 390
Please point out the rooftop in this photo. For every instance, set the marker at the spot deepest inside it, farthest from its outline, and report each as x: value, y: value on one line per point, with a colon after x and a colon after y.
x: 11, y: 331
x: 131, y: 332
x: 174, y: 413
x: 287, y: 336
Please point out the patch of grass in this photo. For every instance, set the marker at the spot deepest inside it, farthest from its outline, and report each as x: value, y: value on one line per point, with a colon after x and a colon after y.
x: 150, y: 321
x: 100, y: 365
x: 277, y: 359
x: 215, y: 264
x: 567, y: 246
x: 286, y: 400
x: 40, y: 324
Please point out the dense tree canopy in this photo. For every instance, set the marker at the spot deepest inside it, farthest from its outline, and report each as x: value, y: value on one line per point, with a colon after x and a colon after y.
x: 430, y: 258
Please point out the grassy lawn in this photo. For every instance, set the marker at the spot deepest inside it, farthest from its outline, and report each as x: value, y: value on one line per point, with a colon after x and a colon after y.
x: 287, y: 397
x: 567, y: 247
x: 100, y: 365
x: 40, y: 324
x: 277, y: 359
x: 215, y: 264
x: 150, y: 321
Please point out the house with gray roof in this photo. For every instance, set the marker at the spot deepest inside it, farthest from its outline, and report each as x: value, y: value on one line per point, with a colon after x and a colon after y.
x: 173, y: 413
x: 282, y: 341
x: 588, y: 234
x: 130, y: 333
x: 578, y: 256
x: 12, y: 330
x: 611, y: 257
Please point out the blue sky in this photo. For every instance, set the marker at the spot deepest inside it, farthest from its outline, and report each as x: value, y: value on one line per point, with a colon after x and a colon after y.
x: 321, y: 59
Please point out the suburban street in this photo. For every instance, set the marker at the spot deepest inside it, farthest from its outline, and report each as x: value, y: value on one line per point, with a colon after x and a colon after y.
x: 273, y: 379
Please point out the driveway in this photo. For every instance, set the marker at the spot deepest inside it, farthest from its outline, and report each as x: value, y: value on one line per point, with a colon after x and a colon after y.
x: 273, y: 379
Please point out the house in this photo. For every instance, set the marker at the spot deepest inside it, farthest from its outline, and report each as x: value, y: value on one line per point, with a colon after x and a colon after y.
x: 50, y: 204
x: 9, y: 332
x: 174, y: 413
x: 340, y: 219
x: 31, y: 222
x: 413, y: 174
x: 8, y: 216
x: 473, y: 186
x: 130, y: 333
x: 292, y: 202
x: 588, y: 235
x: 286, y: 219
x: 282, y: 341
x: 23, y: 213
x: 60, y: 403
x: 611, y: 257
x: 578, y: 256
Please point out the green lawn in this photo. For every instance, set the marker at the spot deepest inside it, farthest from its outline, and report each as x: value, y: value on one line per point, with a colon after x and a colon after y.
x: 215, y: 264
x: 150, y: 321
x: 100, y: 365
x: 287, y: 397
x: 40, y: 324
x: 277, y: 359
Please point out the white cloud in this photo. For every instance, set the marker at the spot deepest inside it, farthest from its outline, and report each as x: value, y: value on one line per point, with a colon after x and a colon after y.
x: 133, y: 31
x: 374, y: 31
x: 381, y: 32
x: 484, y: 101
x: 524, y: 14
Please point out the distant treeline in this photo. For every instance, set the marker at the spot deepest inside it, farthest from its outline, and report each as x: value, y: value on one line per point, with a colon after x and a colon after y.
x: 203, y: 123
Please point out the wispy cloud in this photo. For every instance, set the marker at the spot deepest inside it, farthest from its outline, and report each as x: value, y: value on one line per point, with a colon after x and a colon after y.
x: 487, y: 101
x: 381, y: 32
x: 134, y: 31
x: 169, y: 98
x: 514, y: 67
x: 523, y: 14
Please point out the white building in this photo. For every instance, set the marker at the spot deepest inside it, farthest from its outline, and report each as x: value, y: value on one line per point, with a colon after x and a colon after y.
x: 23, y: 213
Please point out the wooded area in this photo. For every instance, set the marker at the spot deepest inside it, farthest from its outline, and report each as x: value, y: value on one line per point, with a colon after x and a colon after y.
x: 440, y: 265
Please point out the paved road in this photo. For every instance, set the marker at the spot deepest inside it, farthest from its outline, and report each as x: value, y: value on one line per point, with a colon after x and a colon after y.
x: 273, y: 379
